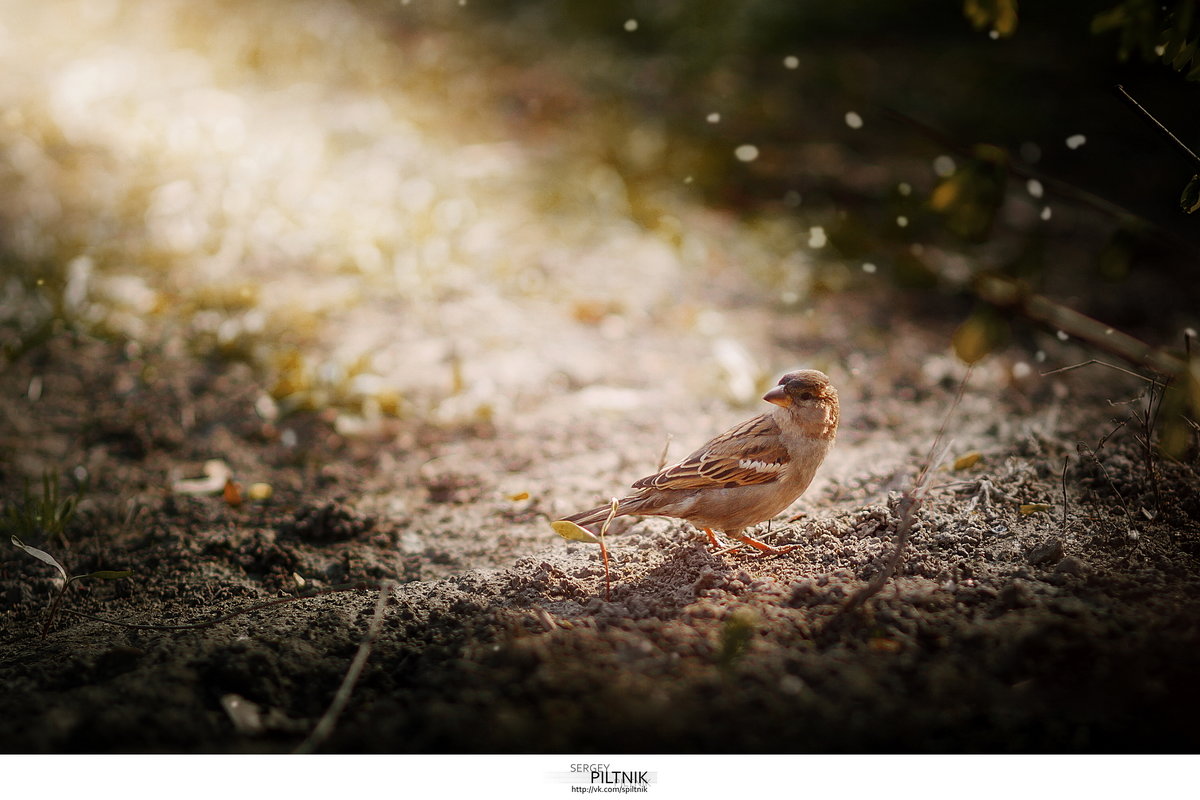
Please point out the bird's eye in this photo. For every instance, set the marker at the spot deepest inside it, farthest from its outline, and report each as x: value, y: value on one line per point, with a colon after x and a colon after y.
x: 806, y: 395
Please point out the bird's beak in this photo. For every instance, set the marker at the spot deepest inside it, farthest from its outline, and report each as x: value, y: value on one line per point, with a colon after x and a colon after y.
x: 778, y: 396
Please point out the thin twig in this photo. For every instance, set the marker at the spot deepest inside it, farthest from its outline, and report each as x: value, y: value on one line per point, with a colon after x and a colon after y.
x: 1149, y: 421
x: 1005, y: 292
x: 908, y: 509
x: 352, y: 587
x: 325, y: 725
x: 52, y: 612
x: 910, y: 503
x: 1107, y: 436
x: 1092, y: 361
x: 1158, y: 126
x: 1066, y: 460
x: 1084, y: 450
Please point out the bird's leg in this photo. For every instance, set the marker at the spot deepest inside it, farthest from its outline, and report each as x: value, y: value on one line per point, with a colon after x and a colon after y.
x: 763, y: 546
x: 712, y: 537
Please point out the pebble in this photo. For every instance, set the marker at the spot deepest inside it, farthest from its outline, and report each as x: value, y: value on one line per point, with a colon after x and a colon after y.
x: 1072, y: 566
x: 1046, y: 552
x: 1070, y: 606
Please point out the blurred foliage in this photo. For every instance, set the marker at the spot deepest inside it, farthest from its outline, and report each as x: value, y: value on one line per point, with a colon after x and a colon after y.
x: 737, y: 631
x: 984, y: 332
x: 970, y: 198
x: 1180, y: 405
x: 1154, y: 30
x: 1189, y: 199
x: 42, y: 516
x: 344, y: 191
x: 999, y: 16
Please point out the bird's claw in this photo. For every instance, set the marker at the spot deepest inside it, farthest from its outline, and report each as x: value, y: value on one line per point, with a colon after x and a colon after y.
x: 762, y: 547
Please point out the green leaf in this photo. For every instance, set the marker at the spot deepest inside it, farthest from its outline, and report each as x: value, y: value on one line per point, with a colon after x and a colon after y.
x: 41, y: 555
x: 1184, y: 57
x: 572, y: 532
x: 1189, y: 200
x: 109, y: 574
x: 1138, y: 25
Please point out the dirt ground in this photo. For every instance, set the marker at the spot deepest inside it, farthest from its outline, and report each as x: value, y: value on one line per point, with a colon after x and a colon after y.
x: 1002, y: 632
x: 417, y: 331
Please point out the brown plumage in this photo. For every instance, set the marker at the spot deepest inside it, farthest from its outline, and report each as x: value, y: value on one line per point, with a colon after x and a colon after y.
x: 748, y: 474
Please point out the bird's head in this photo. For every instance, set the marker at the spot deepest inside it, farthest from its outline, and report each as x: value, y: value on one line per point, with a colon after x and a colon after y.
x: 803, y: 389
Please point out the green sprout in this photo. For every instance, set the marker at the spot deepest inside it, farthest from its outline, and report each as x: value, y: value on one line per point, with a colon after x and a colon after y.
x: 42, y: 555
x: 44, y: 517
x: 736, y: 633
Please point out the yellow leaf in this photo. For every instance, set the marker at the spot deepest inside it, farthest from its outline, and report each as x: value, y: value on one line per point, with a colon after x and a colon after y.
x: 999, y: 15
x: 945, y: 194
x: 260, y: 491
x: 1033, y: 508
x: 519, y: 496
x: 967, y: 461
x: 1006, y: 17
x: 572, y: 532
x: 980, y: 334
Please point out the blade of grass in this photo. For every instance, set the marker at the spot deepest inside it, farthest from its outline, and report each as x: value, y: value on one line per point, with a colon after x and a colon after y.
x: 341, y: 698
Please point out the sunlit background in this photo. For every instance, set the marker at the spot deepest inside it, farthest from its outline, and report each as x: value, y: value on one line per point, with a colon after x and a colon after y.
x: 372, y: 211
x: 398, y: 208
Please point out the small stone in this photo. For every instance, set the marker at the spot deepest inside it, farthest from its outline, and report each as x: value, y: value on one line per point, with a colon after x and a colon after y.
x: 1070, y: 606
x: 1071, y: 566
x: 245, y: 715
x: 790, y: 684
x: 1046, y: 552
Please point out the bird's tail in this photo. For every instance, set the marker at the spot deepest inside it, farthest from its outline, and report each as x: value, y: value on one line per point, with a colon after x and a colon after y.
x: 597, y: 515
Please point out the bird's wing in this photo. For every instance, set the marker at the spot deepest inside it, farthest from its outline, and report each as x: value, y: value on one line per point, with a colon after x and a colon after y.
x: 748, y: 454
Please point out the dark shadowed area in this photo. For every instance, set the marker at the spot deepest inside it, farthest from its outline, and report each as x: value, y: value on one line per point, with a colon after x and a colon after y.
x: 301, y: 296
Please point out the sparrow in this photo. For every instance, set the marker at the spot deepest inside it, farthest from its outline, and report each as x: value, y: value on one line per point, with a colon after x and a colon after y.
x: 749, y: 473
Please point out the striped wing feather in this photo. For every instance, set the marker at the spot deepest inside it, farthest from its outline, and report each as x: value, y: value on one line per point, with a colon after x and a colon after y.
x: 748, y: 454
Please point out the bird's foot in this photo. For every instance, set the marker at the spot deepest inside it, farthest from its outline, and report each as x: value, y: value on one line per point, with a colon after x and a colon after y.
x: 765, y: 548
x: 762, y: 547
